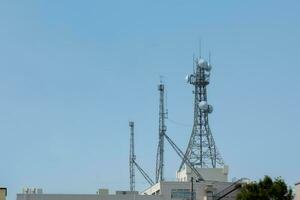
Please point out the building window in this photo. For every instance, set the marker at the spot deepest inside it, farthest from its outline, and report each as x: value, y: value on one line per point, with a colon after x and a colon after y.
x: 182, y: 194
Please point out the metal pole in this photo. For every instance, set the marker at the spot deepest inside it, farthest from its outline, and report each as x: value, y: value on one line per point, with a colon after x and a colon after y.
x: 192, y: 188
x: 162, y: 130
x: 131, y: 158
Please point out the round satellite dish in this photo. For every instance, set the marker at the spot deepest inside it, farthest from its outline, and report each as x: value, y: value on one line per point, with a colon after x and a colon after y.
x: 201, y: 61
x: 208, y: 67
x: 187, y: 77
x: 210, y: 109
x: 203, y: 105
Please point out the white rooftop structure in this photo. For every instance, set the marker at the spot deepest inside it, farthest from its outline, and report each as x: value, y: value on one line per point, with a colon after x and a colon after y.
x: 165, y: 190
x: 27, y: 190
x: 214, y: 186
x: 210, y: 174
x: 85, y: 197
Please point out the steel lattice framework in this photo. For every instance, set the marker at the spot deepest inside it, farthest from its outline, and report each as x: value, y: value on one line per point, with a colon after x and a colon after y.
x: 201, y: 151
x: 132, y: 158
x: 159, y: 176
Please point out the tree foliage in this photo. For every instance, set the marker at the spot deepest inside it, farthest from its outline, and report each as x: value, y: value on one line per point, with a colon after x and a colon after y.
x: 266, y: 189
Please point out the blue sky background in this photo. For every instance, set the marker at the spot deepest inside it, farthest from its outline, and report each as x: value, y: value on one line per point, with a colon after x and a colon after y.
x: 73, y: 73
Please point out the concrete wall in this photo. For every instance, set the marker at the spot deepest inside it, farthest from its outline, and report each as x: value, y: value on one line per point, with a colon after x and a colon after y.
x: 209, y: 174
x: 160, y: 191
x: 153, y: 189
x: 85, y: 197
x: 297, y: 191
x: 200, y: 188
x: 3, y: 192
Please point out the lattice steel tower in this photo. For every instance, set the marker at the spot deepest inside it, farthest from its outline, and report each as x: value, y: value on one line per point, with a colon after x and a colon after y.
x: 159, y: 176
x: 201, y: 151
x: 132, y: 158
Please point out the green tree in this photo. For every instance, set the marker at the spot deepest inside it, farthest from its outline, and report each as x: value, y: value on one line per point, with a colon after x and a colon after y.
x: 266, y: 189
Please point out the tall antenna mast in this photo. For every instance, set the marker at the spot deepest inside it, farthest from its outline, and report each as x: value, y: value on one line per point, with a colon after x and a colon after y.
x: 132, y: 158
x: 201, y: 151
x: 161, y: 134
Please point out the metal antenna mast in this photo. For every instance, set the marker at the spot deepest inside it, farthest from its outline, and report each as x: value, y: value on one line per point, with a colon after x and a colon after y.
x: 132, y: 158
x: 201, y: 151
x: 162, y: 130
x: 133, y: 163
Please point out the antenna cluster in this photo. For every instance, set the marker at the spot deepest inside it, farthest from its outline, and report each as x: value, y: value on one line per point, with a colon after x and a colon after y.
x: 201, y: 151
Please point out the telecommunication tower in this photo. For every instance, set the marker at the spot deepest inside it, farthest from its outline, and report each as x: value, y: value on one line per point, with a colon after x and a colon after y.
x: 201, y: 151
x: 161, y: 134
x: 132, y: 158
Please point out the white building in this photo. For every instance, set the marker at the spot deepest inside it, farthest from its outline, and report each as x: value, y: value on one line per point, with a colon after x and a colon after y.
x: 211, y: 174
x: 85, y: 197
x: 214, y: 186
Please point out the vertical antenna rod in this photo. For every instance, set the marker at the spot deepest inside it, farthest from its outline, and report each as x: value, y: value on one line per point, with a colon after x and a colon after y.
x: 200, y: 48
x: 131, y: 158
x: 161, y: 132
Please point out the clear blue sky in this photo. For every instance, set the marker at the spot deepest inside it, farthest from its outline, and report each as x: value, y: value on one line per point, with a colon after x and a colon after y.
x: 73, y: 73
